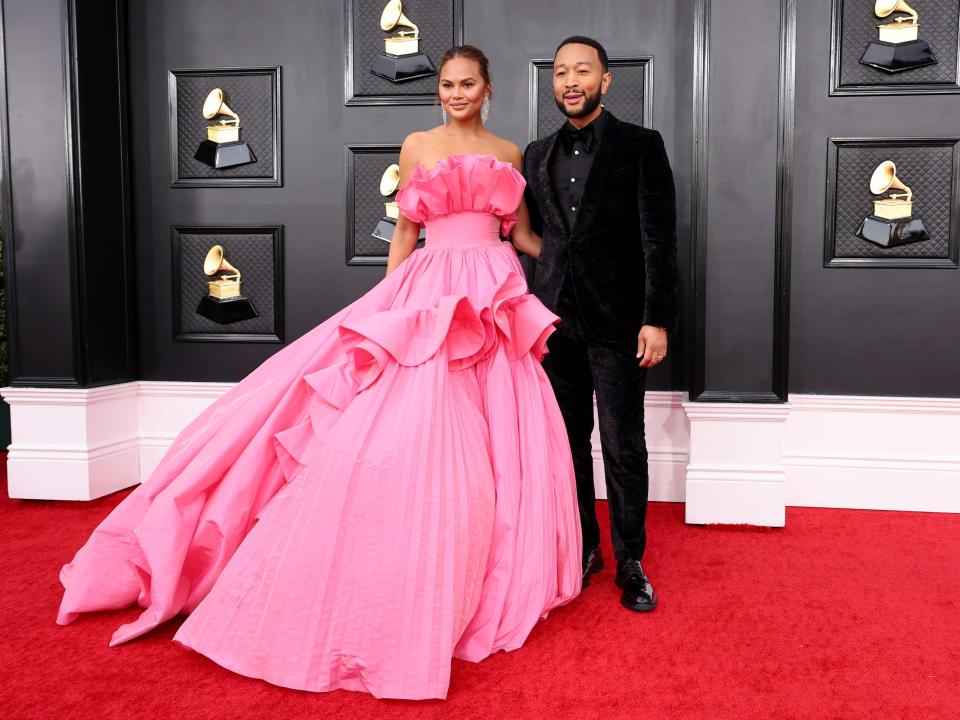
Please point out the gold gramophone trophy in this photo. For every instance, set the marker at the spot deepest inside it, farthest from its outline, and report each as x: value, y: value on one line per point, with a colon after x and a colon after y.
x: 223, y: 147
x: 899, y: 47
x: 402, y: 59
x: 892, y: 223
x: 388, y: 223
x: 224, y: 303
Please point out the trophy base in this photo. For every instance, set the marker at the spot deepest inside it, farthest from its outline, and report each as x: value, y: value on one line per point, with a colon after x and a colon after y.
x: 400, y: 68
x: 225, y: 312
x: 224, y: 155
x: 386, y: 227
x: 892, y: 233
x: 894, y: 58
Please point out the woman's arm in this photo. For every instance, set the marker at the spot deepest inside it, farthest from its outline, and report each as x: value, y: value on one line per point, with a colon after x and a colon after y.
x: 407, y: 232
x: 522, y: 237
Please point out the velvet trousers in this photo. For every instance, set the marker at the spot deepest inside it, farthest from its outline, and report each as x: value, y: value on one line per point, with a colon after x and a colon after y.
x: 578, y: 367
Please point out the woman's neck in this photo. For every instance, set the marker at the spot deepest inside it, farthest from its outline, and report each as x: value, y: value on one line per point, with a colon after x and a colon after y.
x: 469, y: 127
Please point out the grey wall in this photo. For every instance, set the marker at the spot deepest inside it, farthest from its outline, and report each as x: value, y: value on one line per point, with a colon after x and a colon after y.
x: 755, y: 293
x: 870, y: 331
x: 305, y: 37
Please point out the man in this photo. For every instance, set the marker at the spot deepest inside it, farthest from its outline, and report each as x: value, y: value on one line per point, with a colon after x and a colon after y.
x: 601, y: 194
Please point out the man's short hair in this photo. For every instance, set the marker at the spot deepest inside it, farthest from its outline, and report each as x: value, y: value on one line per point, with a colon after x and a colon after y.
x: 584, y: 40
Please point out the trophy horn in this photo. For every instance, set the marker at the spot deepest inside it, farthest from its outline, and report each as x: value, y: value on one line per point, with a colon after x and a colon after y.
x: 392, y: 16
x: 390, y: 180
x: 885, y: 178
x: 215, y: 262
x: 214, y: 105
x: 883, y: 8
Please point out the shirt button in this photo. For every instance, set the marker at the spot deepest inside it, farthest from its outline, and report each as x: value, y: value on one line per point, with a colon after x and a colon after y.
x: 573, y: 179
x: 576, y: 152
x: 574, y: 209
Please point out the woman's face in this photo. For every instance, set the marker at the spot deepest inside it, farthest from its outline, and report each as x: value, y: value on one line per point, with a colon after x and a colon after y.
x: 462, y: 88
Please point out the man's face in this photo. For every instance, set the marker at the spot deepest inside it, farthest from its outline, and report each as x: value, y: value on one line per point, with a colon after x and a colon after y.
x: 579, y: 80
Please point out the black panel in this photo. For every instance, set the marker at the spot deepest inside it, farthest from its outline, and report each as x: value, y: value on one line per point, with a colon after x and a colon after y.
x: 863, y: 331
x: 257, y: 252
x: 742, y: 218
x: 855, y: 27
x: 69, y: 259
x: 40, y: 283
x: 102, y: 245
x: 364, y: 167
x: 441, y: 25
x: 927, y: 166
x: 254, y: 95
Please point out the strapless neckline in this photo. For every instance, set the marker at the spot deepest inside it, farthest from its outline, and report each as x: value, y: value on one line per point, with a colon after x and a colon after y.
x: 459, y: 156
x: 470, y: 183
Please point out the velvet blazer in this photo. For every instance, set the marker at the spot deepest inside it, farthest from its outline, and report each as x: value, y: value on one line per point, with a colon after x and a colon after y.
x: 621, y: 253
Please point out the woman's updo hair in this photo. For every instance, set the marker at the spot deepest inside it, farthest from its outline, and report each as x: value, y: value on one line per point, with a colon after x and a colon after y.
x: 470, y: 52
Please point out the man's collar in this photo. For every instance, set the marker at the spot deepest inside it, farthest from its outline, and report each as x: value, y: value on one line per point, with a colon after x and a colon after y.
x: 599, y: 123
x: 589, y: 134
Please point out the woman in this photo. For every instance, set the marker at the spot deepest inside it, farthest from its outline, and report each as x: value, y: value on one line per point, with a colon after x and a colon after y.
x: 391, y: 490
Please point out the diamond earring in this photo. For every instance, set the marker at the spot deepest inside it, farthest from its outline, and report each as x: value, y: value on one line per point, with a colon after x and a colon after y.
x: 443, y: 113
x: 485, y: 109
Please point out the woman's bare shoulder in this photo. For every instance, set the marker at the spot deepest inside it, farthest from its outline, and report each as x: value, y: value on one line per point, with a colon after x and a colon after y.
x: 510, y: 152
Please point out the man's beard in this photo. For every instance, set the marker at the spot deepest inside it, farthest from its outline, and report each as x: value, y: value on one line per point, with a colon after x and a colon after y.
x: 590, y: 103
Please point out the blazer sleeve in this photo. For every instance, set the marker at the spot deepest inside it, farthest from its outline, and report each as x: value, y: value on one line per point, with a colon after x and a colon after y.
x: 529, y: 174
x: 658, y: 225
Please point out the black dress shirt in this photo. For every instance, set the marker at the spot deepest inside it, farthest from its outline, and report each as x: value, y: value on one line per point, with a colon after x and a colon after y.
x: 571, y: 163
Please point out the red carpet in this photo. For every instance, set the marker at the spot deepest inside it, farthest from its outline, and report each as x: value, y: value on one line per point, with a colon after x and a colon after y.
x: 843, y: 614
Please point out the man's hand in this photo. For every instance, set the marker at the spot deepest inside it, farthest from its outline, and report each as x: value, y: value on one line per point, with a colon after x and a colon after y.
x: 651, y: 345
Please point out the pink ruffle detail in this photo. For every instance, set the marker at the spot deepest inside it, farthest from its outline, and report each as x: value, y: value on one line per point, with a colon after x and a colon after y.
x: 513, y: 318
x: 468, y: 183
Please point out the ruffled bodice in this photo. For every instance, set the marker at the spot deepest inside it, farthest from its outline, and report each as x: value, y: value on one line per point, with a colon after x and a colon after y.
x: 461, y: 184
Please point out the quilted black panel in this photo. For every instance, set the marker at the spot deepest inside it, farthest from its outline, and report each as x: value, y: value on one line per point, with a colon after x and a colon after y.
x: 251, y: 96
x: 367, y: 207
x: 435, y: 20
x: 252, y: 254
x: 939, y: 24
x: 928, y: 171
x: 625, y: 99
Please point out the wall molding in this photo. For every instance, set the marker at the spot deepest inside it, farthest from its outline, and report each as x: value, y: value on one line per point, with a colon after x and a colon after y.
x: 6, y: 208
x: 780, y: 350
x: 697, y: 335
x: 730, y: 462
x: 736, y: 473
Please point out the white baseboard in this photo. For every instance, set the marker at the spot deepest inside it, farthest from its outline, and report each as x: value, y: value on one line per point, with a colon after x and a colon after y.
x: 736, y: 470
x: 82, y: 444
x: 873, y: 453
x: 730, y: 463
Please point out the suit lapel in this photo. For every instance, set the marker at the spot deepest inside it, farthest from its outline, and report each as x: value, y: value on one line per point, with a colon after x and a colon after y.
x: 551, y: 207
x: 599, y: 172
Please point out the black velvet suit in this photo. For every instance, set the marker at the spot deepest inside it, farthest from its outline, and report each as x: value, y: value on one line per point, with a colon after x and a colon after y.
x: 614, y: 271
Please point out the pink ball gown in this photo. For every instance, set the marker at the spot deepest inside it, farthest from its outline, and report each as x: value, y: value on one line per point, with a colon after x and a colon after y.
x: 392, y: 490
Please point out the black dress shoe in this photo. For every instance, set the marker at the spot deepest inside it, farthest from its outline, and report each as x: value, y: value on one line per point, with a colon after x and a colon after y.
x: 638, y: 593
x: 592, y: 563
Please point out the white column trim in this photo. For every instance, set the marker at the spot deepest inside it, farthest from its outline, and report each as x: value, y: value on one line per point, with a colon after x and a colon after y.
x: 893, y: 453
